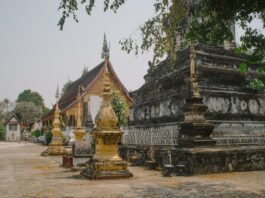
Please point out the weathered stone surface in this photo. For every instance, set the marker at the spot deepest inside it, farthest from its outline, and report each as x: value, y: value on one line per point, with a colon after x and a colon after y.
x: 221, y: 159
x: 223, y: 88
x: 237, y: 113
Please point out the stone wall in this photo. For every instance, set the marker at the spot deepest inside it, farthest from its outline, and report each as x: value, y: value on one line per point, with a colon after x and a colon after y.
x: 236, y: 111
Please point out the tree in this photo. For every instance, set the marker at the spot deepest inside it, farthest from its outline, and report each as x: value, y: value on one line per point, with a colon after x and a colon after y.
x: 66, y: 86
x: 216, y: 17
x: 210, y: 22
x: 28, y: 113
x: 6, y: 107
x: 34, y: 97
x: 119, y: 107
x: 2, y: 131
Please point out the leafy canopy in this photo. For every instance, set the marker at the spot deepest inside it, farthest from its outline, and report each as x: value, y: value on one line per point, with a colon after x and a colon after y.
x: 27, y: 112
x: 66, y: 86
x: 2, y: 131
x: 211, y: 22
x: 119, y: 106
x: 6, y: 108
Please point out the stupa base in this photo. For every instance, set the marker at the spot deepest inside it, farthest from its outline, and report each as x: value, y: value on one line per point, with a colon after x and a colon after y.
x: 54, y: 150
x: 211, y: 160
x: 97, y: 170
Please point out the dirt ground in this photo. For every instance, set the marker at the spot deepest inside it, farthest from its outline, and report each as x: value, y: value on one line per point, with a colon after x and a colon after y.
x: 24, y: 173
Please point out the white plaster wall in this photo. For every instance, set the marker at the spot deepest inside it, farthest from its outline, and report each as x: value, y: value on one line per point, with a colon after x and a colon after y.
x: 17, y: 134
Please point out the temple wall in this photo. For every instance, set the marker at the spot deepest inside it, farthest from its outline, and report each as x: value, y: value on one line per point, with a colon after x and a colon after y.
x: 237, y: 112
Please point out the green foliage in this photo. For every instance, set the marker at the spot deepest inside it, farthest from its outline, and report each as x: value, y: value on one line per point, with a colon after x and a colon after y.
x: 2, y: 131
x: 27, y: 112
x: 70, y: 7
x: 212, y: 23
x: 261, y: 70
x: 36, y: 133
x: 119, y: 107
x: 48, y: 137
x: 6, y: 108
x: 66, y: 86
x: 243, y: 68
x: 256, y: 84
x: 217, y: 18
x: 63, y: 138
x: 33, y: 97
x: 30, y: 96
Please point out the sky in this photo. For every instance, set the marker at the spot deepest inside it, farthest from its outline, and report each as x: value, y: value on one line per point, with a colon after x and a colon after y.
x: 36, y: 55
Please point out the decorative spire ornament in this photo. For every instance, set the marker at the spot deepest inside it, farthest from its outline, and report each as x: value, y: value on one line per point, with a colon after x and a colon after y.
x: 57, y: 94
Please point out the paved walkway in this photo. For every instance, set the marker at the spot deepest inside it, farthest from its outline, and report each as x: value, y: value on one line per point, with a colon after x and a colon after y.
x: 24, y: 173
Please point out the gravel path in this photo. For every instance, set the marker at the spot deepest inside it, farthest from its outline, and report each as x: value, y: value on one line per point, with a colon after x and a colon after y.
x: 24, y: 173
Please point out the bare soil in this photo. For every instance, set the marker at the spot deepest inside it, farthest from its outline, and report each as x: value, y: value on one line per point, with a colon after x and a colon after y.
x: 24, y: 173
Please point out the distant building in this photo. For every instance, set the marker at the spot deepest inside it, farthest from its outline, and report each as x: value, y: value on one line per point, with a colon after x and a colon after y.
x: 13, y: 129
x: 91, y: 83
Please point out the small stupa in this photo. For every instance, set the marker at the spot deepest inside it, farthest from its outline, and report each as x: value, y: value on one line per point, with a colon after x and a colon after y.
x: 56, y: 146
x: 106, y: 163
x: 195, y: 130
x: 81, y: 149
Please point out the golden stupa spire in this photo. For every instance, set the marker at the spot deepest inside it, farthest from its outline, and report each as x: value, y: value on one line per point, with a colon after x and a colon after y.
x: 56, y: 121
x: 78, y: 122
x: 56, y: 146
x: 106, y: 118
x: 79, y: 131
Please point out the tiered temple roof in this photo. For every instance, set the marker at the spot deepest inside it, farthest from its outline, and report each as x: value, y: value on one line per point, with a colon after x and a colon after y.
x: 86, y: 81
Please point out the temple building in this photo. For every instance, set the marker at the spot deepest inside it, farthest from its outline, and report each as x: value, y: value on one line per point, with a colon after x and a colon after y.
x: 91, y: 85
x: 13, y: 129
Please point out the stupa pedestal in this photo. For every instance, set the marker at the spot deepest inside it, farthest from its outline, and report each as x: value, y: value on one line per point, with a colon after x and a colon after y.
x: 195, y: 130
x: 196, y: 147
x: 106, y: 163
x: 56, y: 146
x: 81, y: 151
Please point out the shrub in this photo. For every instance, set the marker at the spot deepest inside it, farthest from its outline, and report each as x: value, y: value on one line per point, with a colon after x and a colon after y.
x: 48, y: 137
x: 119, y: 106
x: 2, y: 131
x: 36, y: 133
x: 63, y: 138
